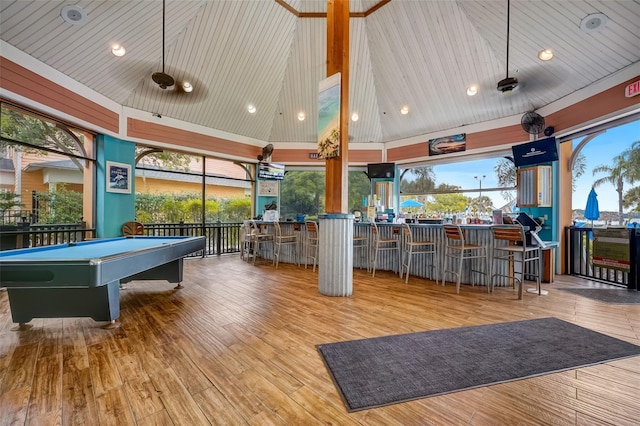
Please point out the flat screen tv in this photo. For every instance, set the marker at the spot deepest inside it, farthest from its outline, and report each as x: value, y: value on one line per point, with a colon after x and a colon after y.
x: 536, y: 152
x: 381, y: 170
x: 270, y: 171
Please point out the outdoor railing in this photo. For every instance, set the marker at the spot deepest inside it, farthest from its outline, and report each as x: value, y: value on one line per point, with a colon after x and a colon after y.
x: 579, y: 243
x: 23, y: 235
x: 221, y: 237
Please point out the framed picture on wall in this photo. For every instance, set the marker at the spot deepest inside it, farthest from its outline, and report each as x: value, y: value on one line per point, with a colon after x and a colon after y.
x: 118, y: 177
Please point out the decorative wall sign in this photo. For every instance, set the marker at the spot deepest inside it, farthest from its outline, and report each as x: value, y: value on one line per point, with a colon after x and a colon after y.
x: 118, y: 177
x: 448, y: 144
x: 329, y: 117
x: 611, y: 248
x: 268, y: 188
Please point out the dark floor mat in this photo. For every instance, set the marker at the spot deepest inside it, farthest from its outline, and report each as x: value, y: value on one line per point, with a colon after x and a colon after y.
x: 608, y: 295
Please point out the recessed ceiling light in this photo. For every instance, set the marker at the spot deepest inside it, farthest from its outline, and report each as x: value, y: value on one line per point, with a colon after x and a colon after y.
x: 251, y: 109
x: 593, y: 22
x: 74, y: 15
x: 187, y: 87
x: 472, y: 90
x: 404, y: 110
x: 355, y: 116
x: 545, y: 54
x: 301, y: 116
x: 118, y: 50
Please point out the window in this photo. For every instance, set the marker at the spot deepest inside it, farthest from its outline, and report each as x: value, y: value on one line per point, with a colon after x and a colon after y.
x: 46, y: 169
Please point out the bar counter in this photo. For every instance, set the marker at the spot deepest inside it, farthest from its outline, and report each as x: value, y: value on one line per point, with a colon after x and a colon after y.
x: 387, y: 260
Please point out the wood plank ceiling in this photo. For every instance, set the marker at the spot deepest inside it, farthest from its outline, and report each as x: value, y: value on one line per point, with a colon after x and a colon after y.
x: 419, y: 53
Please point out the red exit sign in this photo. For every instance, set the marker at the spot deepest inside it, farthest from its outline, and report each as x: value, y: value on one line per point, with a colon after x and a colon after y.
x: 632, y: 89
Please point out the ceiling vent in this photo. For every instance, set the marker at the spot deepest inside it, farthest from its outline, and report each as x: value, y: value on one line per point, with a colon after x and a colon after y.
x: 74, y: 15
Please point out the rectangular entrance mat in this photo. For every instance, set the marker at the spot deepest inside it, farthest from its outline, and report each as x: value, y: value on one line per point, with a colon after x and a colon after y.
x: 607, y: 295
x: 380, y: 371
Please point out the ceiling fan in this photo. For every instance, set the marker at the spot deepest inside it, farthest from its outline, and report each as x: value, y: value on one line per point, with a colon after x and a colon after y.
x: 508, y: 83
x: 163, y: 79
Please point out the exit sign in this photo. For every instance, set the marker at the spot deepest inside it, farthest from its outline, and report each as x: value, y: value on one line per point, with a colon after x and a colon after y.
x: 632, y: 89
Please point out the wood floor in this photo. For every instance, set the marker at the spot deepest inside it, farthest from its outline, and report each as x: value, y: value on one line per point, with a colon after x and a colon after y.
x: 236, y: 346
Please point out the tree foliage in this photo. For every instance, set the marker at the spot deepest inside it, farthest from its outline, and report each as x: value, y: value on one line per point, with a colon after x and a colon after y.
x: 505, y: 171
x: 443, y: 203
x: 302, y: 192
x: 171, y: 208
x: 166, y: 160
x: 39, y: 133
x: 423, y: 183
x: 624, y: 169
x: 9, y: 200
x: 59, y: 206
x: 359, y: 188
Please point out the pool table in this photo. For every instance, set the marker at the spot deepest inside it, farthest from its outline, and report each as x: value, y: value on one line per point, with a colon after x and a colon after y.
x: 83, y: 279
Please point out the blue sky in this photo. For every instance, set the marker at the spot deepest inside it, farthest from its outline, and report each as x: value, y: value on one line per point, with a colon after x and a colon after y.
x: 599, y: 151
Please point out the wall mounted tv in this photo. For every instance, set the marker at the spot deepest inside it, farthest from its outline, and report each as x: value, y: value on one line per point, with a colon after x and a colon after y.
x: 270, y: 171
x: 536, y: 152
x: 381, y: 170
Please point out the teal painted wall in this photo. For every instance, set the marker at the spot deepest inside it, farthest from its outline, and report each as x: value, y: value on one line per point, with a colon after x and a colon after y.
x: 113, y: 209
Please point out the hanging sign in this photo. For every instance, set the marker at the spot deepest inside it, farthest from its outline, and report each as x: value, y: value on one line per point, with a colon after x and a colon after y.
x: 329, y: 117
x: 632, y: 89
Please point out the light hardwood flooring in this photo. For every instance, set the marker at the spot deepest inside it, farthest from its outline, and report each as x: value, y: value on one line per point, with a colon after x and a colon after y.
x: 236, y: 346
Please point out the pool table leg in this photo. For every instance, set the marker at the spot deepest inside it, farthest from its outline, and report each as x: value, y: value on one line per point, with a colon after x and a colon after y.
x: 111, y: 325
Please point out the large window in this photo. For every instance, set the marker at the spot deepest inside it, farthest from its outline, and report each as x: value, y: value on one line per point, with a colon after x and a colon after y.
x: 46, y: 169
x: 302, y: 192
x: 609, y: 161
x: 173, y: 187
x: 471, y: 187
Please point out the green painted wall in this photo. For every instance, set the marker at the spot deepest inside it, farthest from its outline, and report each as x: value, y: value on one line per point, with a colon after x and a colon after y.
x: 113, y: 209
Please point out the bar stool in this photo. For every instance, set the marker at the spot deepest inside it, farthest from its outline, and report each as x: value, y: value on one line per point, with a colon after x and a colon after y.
x: 259, y: 239
x: 458, y: 249
x: 412, y: 247
x: 515, y: 252
x: 312, y: 243
x: 361, y: 243
x: 246, y: 241
x: 382, y: 244
x: 280, y: 240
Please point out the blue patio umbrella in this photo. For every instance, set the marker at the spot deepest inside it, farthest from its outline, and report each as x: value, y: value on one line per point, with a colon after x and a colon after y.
x: 410, y: 203
x: 592, y: 211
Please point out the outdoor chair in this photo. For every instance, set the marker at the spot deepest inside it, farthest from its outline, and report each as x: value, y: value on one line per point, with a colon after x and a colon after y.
x: 457, y: 250
x: 421, y: 247
x: 280, y: 240
x: 510, y: 245
x: 383, y: 244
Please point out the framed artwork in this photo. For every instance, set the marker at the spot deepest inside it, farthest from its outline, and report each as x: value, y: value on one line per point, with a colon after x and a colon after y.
x: 118, y: 177
x: 448, y: 144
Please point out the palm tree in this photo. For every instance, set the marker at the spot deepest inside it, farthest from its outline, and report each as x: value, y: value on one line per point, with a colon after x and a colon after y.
x: 623, y: 170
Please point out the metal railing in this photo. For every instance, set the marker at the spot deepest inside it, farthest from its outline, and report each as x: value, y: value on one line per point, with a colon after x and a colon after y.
x: 24, y: 235
x: 221, y: 238
x: 579, y: 244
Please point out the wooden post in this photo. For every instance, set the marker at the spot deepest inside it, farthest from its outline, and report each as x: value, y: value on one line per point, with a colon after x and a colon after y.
x: 336, y: 177
x: 335, y: 277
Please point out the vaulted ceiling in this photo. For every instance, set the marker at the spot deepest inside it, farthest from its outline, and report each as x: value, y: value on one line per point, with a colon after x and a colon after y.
x: 271, y: 54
